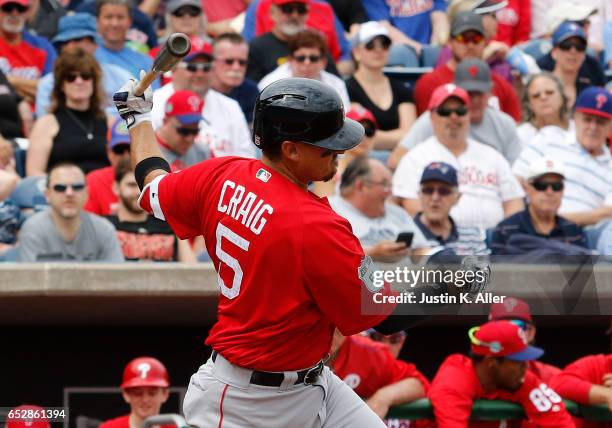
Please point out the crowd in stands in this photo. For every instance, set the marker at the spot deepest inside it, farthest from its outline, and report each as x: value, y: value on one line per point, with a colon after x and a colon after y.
x: 488, y: 122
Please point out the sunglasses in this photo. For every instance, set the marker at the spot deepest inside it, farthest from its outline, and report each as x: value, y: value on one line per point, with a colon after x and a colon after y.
x: 231, y: 61
x: 430, y: 190
x: 524, y: 325
x: 542, y: 186
x: 312, y: 58
x: 73, y: 76
x: 566, y: 45
x: 446, y: 112
x: 61, y: 188
x: 120, y: 149
x: 192, y: 68
x: 547, y: 92
x: 189, y: 11
x: 10, y: 7
x: 378, y: 42
x: 186, y: 132
x: 290, y: 8
x: 465, y: 39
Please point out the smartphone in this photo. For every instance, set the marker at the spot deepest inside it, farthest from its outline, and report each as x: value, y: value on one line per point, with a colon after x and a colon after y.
x: 405, y: 237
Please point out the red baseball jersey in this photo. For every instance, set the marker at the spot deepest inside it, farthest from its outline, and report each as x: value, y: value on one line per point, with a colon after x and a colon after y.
x: 22, y: 60
x: 101, y: 199
x: 124, y: 422
x: 543, y: 371
x: 366, y: 366
x: 289, y: 268
x: 456, y: 386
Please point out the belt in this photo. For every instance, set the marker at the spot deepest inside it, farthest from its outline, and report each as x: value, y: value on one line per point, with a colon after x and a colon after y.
x: 307, y: 376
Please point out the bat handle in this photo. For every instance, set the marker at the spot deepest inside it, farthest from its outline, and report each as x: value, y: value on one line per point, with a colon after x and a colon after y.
x: 145, y: 82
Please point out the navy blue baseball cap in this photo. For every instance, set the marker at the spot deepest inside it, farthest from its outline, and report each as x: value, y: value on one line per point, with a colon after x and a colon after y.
x: 567, y: 30
x: 440, y: 171
x: 595, y: 100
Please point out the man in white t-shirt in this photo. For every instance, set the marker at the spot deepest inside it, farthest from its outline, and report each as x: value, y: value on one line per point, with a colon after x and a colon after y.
x: 489, y: 190
x: 224, y: 131
x: 587, y: 198
x: 364, y: 190
x: 308, y: 58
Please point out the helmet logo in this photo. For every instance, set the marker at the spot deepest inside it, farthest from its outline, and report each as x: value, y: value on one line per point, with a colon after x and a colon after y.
x: 144, y: 369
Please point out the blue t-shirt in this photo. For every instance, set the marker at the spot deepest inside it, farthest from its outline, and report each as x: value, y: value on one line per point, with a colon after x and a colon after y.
x: 413, y: 18
x: 564, y: 231
x: 42, y: 43
x: 246, y: 95
x: 127, y: 59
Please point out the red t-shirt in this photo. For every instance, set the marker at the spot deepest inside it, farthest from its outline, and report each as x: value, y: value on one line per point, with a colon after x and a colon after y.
x: 124, y: 422
x: 288, y: 266
x: 508, y: 101
x: 456, y: 386
x: 320, y: 17
x: 366, y: 366
x: 101, y: 200
x: 514, y: 22
x: 22, y: 60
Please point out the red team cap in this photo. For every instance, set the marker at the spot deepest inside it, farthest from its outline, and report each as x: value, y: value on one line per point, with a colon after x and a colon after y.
x: 25, y: 3
x: 361, y: 114
x: 199, y: 47
x: 145, y: 371
x: 511, y: 309
x: 503, y: 339
x: 186, y: 106
x: 19, y: 422
x: 444, y: 92
x: 278, y: 2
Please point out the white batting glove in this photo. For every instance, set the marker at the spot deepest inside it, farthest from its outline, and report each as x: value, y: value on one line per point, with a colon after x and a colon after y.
x: 133, y: 109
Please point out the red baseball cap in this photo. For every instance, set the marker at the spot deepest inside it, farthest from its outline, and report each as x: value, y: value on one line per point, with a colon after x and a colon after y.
x: 444, y: 92
x: 279, y: 2
x: 199, y: 47
x: 186, y: 106
x: 511, y: 309
x: 25, y: 3
x: 361, y: 114
x: 502, y: 339
x: 37, y: 422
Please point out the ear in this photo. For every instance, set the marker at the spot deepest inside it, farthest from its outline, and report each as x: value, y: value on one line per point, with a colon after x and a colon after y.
x: 166, y: 394
x: 116, y: 188
x: 457, y: 197
x: 126, y: 396
x: 290, y: 150
x: 554, y: 53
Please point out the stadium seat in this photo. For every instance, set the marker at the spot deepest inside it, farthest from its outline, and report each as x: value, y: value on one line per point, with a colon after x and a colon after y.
x: 536, y: 48
x: 403, y: 55
x: 429, y: 55
x: 29, y: 193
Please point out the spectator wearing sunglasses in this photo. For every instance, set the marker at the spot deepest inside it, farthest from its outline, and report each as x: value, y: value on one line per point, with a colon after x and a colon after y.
x: 569, y: 61
x: 389, y: 100
x: 225, y: 131
x: 587, y: 196
x: 64, y: 232
x: 308, y: 58
x: 496, y: 369
x: 363, y: 200
x: 489, y: 190
x: 79, y: 30
x: 143, y: 237
x: 467, y: 40
x: 517, y: 312
x: 177, y: 135
x: 487, y: 124
x: 545, y: 183
x: 231, y: 54
x: 75, y: 129
x: 101, y: 198
x: 438, y: 194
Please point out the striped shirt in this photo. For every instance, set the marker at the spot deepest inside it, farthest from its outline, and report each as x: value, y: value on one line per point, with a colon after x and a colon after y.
x: 588, y: 179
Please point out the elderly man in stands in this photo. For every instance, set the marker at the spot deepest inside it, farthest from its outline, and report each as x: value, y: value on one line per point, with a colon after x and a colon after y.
x: 545, y: 183
x: 587, y: 198
x: 364, y: 190
x: 487, y: 125
x: 64, y: 231
x: 489, y: 190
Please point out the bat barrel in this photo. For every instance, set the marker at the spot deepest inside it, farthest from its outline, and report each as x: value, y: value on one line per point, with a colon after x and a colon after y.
x: 178, y: 44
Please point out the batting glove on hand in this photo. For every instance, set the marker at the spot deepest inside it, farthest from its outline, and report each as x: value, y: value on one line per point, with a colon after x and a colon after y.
x: 133, y: 109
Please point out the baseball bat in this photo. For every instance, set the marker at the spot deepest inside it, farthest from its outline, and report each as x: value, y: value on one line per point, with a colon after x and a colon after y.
x: 177, y: 46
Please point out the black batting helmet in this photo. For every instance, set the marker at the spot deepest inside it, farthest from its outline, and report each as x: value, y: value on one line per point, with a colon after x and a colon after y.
x: 303, y: 110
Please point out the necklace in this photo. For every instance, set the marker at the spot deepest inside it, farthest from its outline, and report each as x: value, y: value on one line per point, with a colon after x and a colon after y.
x: 88, y: 131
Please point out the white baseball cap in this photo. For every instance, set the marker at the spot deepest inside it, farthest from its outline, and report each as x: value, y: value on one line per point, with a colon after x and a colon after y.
x: 369, y: 30
x: 543, y: 166
x: 567, y: 11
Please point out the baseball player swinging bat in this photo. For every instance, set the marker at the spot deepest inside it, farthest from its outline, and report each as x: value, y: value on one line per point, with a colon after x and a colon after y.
x: 177, y: 46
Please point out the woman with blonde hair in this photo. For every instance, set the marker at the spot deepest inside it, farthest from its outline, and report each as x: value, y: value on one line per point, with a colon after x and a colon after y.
x: 76, y: 126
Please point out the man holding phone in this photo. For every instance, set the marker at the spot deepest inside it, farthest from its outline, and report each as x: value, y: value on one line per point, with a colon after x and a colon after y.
x: 386, y: 232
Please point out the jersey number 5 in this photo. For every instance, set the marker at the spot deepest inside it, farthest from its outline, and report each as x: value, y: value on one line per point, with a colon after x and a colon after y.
x: 231, y: 262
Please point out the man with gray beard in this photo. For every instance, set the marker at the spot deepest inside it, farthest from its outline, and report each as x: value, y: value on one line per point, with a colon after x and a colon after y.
x: 271, y: 49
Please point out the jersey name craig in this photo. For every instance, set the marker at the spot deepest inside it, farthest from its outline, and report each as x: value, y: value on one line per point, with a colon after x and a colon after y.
x: 245, y: 207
